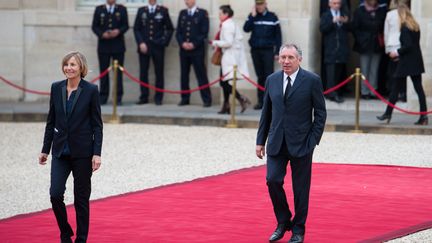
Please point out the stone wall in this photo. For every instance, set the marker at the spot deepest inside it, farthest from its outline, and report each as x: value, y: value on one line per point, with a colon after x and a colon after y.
x: 36, y: 35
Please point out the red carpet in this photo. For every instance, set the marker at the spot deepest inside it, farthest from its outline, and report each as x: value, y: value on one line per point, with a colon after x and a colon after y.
x: 349, y: 203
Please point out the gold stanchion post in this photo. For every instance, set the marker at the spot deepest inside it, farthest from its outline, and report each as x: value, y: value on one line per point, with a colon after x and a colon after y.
x: 233, y: 122
x: 114, y: 117
x: 357, y: 97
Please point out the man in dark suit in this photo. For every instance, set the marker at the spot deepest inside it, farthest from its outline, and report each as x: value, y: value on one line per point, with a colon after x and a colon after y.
x: 153, y: 31
x: 334, y: 26
x: 110, y: 23
x: 291, y: 97
x: 191, y: 34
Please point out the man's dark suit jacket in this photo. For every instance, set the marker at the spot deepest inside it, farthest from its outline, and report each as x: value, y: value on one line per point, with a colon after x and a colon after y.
x: 82, y: 128
x: 294, y: 121
x: 103, y: 21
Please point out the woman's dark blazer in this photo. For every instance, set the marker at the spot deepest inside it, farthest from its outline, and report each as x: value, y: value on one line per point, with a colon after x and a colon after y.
x: 82, y: 128
x: 410, y: 55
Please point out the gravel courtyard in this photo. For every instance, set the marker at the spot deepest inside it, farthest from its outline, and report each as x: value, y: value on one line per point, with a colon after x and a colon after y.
x: 138, y: 156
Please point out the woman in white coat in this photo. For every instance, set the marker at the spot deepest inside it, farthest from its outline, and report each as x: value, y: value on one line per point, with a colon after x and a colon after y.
x: 229, y: 39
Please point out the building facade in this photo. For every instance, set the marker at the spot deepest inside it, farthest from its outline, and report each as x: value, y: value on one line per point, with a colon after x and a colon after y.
x: 36, y: 34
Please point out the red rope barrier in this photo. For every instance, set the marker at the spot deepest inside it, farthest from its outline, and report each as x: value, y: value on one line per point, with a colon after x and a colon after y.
x: 328, y: 91
x: 136, y: 80
x: 390, y: 104
x: 325, y: 92
x: 31, y: 91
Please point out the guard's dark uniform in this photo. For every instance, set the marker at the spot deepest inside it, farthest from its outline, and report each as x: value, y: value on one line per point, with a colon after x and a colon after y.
x: 193, y: 29
x: 155, y: 29
x: 114, y: 48
x: 265, y: 42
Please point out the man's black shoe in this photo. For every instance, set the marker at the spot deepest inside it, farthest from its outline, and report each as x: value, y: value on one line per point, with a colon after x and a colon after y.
x: 142, y: 102
x: 183, y: 103
x: 207, y: 104
x: 296, y: 238
x: 279, y: 232
x: 366, y: 97
x: 337, y: 99
x: 158, y: 102
x: 258, y: 106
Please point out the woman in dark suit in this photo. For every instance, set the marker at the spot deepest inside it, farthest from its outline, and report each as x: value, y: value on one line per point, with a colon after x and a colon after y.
x: 74, y: 130
x: 410, y: 64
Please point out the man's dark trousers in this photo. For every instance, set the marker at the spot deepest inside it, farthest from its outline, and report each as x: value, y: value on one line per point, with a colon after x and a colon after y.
x: 156, y: 53
x: 81, y: 169
x: 263, y: 64
x: 301, y: 169
x: 105, y: 60
x: 194, y: 58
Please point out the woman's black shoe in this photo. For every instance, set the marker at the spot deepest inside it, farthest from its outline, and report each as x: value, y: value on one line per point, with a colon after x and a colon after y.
x: 225, y: 108
x: 423, y: 120
x: 384, y: 117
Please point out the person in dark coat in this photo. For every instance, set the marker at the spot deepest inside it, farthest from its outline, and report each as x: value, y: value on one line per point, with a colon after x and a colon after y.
x: 191, y: 34
x: 368, y: 27
x: 153, y: 30
x: 265, y: 41
x: 410, y: 64
x: 334, y: 25
x: 73, y: 133
x: 110, y: 23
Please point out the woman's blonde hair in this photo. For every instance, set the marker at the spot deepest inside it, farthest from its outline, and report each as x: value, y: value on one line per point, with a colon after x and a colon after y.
x: 395, y: 3
x: 80, y: 59
x: 407, y: 19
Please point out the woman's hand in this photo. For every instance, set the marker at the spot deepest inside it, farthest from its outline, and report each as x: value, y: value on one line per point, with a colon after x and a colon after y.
x: 43, y: 158
x: 394, y: 54
x: 96, y: 162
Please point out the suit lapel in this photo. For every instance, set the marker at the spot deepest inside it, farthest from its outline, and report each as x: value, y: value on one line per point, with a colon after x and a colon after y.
x: 297, y: 82
x: 64, y: 95
x: 78, y: 92
x: 280, y: 86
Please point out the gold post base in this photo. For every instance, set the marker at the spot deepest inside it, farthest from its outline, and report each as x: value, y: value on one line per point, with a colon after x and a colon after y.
x: 356, y: 131
x: 114, y: 120
x: 231, y: 125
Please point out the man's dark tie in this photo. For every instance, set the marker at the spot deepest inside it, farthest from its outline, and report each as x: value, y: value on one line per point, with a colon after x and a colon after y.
x: 287, y: 89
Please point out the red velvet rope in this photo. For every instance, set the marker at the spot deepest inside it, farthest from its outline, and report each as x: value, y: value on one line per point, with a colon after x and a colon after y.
x: 390, y: 104
x: 44, y: 92
x: 205, y: 86
x: 325, y: 92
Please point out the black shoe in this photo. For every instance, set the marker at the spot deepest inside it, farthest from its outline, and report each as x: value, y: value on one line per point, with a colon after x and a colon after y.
x: 423, y: 120
x: 384, y: 117
x: 296, y: 238
x: 183, y: 103
x: 279, y: 232
x: 402, y: 97
x: 158, y: 102
x: 142, y: 102
x: 119, y: 103
x: 337, y: 99
x: 207, y: 104
x: 258, y: 106
x: 365, y: 97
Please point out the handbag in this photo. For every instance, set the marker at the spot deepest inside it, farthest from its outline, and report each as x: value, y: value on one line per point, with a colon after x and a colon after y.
x: 216, y: 58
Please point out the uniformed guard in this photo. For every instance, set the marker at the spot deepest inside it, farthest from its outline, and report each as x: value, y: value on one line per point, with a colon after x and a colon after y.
x: 110, y: 22
x: 153, y: 31
x: 265, y: 42
x: 191, y: 35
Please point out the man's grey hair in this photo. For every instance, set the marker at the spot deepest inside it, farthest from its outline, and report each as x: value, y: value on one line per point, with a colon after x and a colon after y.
x: 294, y: 46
